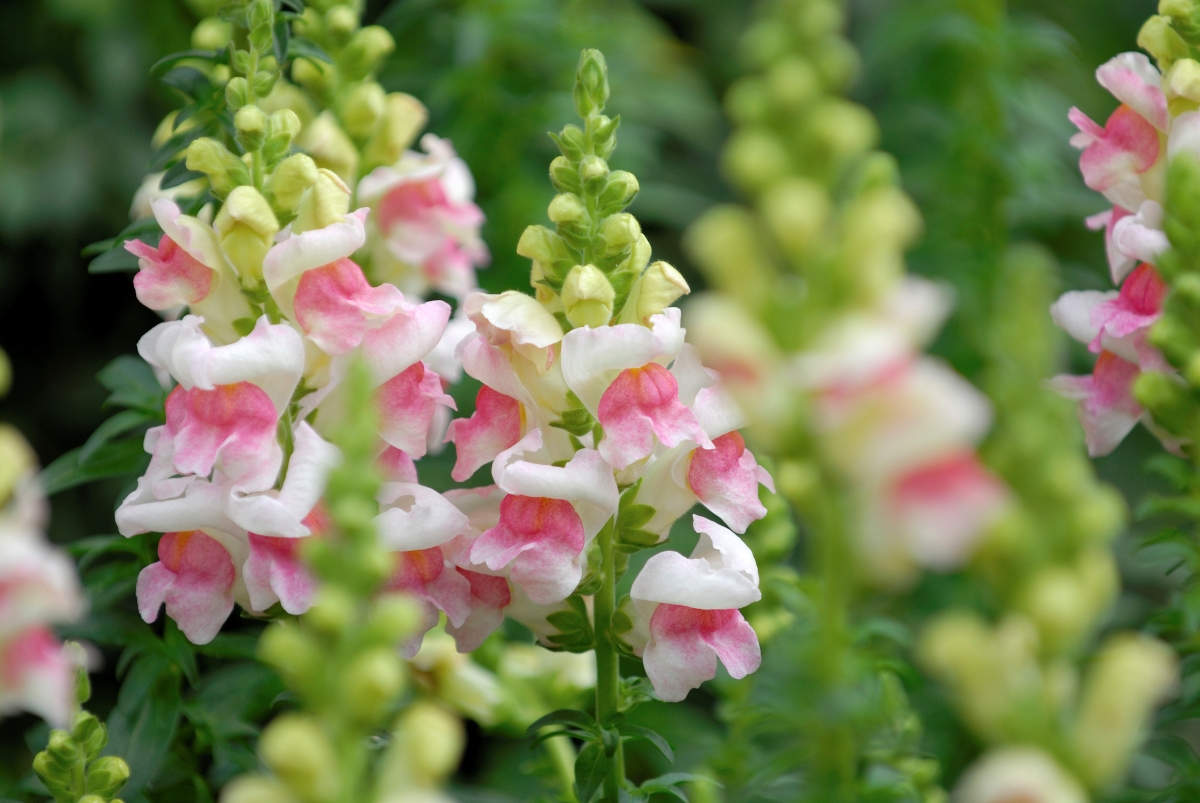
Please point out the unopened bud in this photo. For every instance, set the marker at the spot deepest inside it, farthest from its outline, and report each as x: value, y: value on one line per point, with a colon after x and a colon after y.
x: 106, y: 776
x: 333, y: 610
x: 793, y: 82
x: 16, y: 459
x: 1182, y: 9
x: 620, y: 231
x: 62, y: 748
x: 844, y: 129
x: 431, y: 741
x: 263, y: 82
x: 329, y: 146
x: 541, y: 245
x: 1159, y: 38
x: 326, y: 202
x: 564, y: 175
x: 340, y: 22
x: 255, y: 789
x: 588, y: 296
x: 393, y: 618
x: 798, y: 212
x: 246, y: 229
x: 297, y: 750
x: 725, y: 242
x: 285, y: 95
x: 403, y: 118
x: 362, y: 108
x: 314, y: 76
x: 660, y: 287
x: 212, y: 33
x: 224, y: 170
x: 1167, y: 399
x: 753, y: 158
x: 592, y: 168
x: 566, y: 208
x: 1183, y: 80
x: 1130, y: 676
x: 372, y: 682
x: 251, y: 125
x: 366, y: 49
x: 288, y: 182
x: 591, y: 83
x: 89, y: 733
x: 618, y: 193
x: 748, y: 101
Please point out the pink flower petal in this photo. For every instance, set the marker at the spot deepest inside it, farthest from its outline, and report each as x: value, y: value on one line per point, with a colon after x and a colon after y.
x: 407, y: 403
x: 335, y: 304
x: 426, y: 575
x: 231, y: 428
x: 167, y: 275
x: 1135, y: 309
x: 194, y: 577
x: 396, y: 466
x: 726, y: 480
x: 490, y: 595
x: 642, y: 403
x: 1107, y: 409
x: 1118, y: 263
x: 685, y: 644
x: 37, y: 676
x: 275, y: 572
x: 1128, y: 147
x: 1132, y: 79
x: 493, y: 427
x: 543, y: 539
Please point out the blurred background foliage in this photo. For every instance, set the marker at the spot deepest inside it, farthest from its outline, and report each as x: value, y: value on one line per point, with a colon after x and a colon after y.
x: 971, y: 98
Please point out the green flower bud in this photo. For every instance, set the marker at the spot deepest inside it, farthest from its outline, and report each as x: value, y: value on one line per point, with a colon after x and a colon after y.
x: 371, y: 683
x: 256, y: 789
x: 89, y: 733
x: 748, y: 101
x: 1130, y: 676
x: 393, y: 618
x: 224, y: 170
x: 340, y: 23
x: 845, y: 130
x: 237, y: 93
x: 838, y: 63
x: 212, y: 33
x: 288, y: 96
x: 820, y: 19
x: 328, y: 144
x: 297, y: 750
x: 619, y: 192
x: 567, y: 208
x: 251, y: 125
x: 541, y: 245
x: 325, y: 203
x: 286, y: 185
x: 1183, y: 80
x: 1064, y: 602
x: 1160, y: 39
x: 333, y: 610
x: 362, y: 109
x: 427, y: 745
x: 659, y: 287
x: 1168, y: 400
x: 793, y: 82
x: 367, y: 48
x: 593, y: 168
x: 588, y: 296
x: 263, y: 82
x: 564, y: 175
x: 317, y: 77
x: 591, y: 83
x: 282, y: 128
x: 620, y: 231
x: 106, y: 776
x: 765, y: 41
x: 93, y: 799
x: 403, y: 118
x: 753, y: 158
x: 246, y: 229
x: 63, y: 749
x: 726, y: 245
x: 16, y: 460
x: 799, y: 213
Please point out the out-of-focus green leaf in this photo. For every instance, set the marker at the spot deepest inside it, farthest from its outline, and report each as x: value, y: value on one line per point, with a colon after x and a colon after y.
x: 113, y: 459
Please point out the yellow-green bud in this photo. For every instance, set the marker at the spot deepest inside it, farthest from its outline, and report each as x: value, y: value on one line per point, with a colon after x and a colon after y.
x: 366, y: 49
x: 246, y: 229
x: 340, y: 22
x: 394, y: 617
x: 1183, y: 80
x: 726, y: 244
x: 431, y: 739
x: 1064, y: 602
x: 1132, y: 674
x: 748, y: 101
x: 372, y: 683
x: 753, y: 158
x: 333, y: 610
x: 588, y: 296
x: 255, y: 789
x: 798, y: 211
x: 1160, y: 39
x: 296, y: 748
x: 1171, y: 404
x: 540, y: 244
x: 818, y: 20
x: 591, y: 83
x: 592, y: 168
x: 793, y: 82
x: 328, y: 144
x: 566, y: 208
x: 212, y: 33
x: 844, y: 129
x: 106, y: 776
x: 314, y: 76
x: 618, y: 192
x: 16, y: 459
x: 288, y: 96
x: 89, y: 733
x: 224, y: 170
x: 659, y: 287
x: 284, y: 123
x: 362, y: 108
x: 237, y: 92
x: 288, y: 182
x: 620, y: 231
x: 251, y: 125
x: 326, y: 202
x: 1177, y: 8
x: 403, y: 118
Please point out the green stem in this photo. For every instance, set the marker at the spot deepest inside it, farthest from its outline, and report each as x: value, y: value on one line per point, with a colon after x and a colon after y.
x: 562, y: 756
x: 608, y: 668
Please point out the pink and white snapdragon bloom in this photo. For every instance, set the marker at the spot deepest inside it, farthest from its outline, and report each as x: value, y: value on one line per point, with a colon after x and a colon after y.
x: 424, y: 230
x: 238, y: 469
x: 38, y: 588
x: 658, y: 419
x: 1126, y: 161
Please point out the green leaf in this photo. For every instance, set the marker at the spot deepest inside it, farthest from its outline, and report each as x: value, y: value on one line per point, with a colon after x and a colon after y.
x: 592, y: 766
x: 564, y: 716
x: 177, y: 174
x: 635, y: 516
x: 231, y: 646
x: 119, y: 424
x: 117, y: 260
x: 281, y: 40
x: 132, y: 383
x: 87, y: 550
x: 142, y: 725
x: 143, y: 225
x: 639, y: 732
x: 305, y: 49
x: 188, y: 80
x: 113, y: 459
x: 167, y: 62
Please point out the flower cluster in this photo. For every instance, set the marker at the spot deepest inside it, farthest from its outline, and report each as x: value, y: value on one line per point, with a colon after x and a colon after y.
x: 38, y: 588
x: 1126, y: 161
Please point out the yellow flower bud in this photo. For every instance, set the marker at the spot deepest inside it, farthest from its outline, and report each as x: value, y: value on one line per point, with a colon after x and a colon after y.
x: 844, y: 129
x: 1160, y: 39
x: 246, y: 229
x: 540, y: 244
x: 793, y: 82
x: 251, y: 125
x: 1183, y: 80
x: 313, y: 75
x: 5, y: 374
x: 224, y: 170
x: 593, y: 167
x: 402, y: 119
x: 291, y: 651
x: 106, y: 776
x: 798, y: 211
x: 329, y: 146
x: 1130, y: 676
x: 394, y: 617
x: 285, y: 95
x: 297, y: 750
x: 340, y: 22
x: 725, y: 243
x: 566, y: 208
x: 753, y: 158
x: 333, y: 610
x: 256, y: 789
x: 326, y: 202
x: 16, y: 460
x: 367, y: 48
x: 659, y: 287
x: 212, y: 33
x: 620, y: 231
x: 1177, y: 8
x: 363, y: 107
x: 371, y: 683
x: 588, y: 296
x: 427, y: 745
